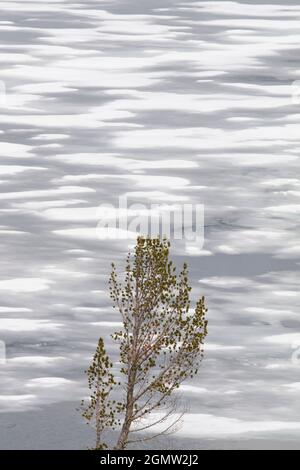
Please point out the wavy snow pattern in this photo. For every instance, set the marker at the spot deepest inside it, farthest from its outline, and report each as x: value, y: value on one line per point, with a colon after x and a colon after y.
x: 174, y: 101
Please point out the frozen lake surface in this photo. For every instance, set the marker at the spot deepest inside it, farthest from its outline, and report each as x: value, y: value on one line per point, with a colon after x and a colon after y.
x: 164, y: 102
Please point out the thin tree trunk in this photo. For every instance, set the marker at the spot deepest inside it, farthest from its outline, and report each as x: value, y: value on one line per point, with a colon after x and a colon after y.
x: 98, y: 424
x: 123, y: 438
x: 132, y: 373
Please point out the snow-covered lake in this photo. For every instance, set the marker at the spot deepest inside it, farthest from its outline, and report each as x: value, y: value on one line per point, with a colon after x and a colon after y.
x: 165, y: 102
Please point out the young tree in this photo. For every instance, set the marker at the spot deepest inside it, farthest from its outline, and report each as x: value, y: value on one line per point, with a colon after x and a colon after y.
x: 161, y: 345
x: 100, y: 410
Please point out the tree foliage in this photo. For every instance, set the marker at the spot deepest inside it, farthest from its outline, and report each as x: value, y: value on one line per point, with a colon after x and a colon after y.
x: 160, y: 343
